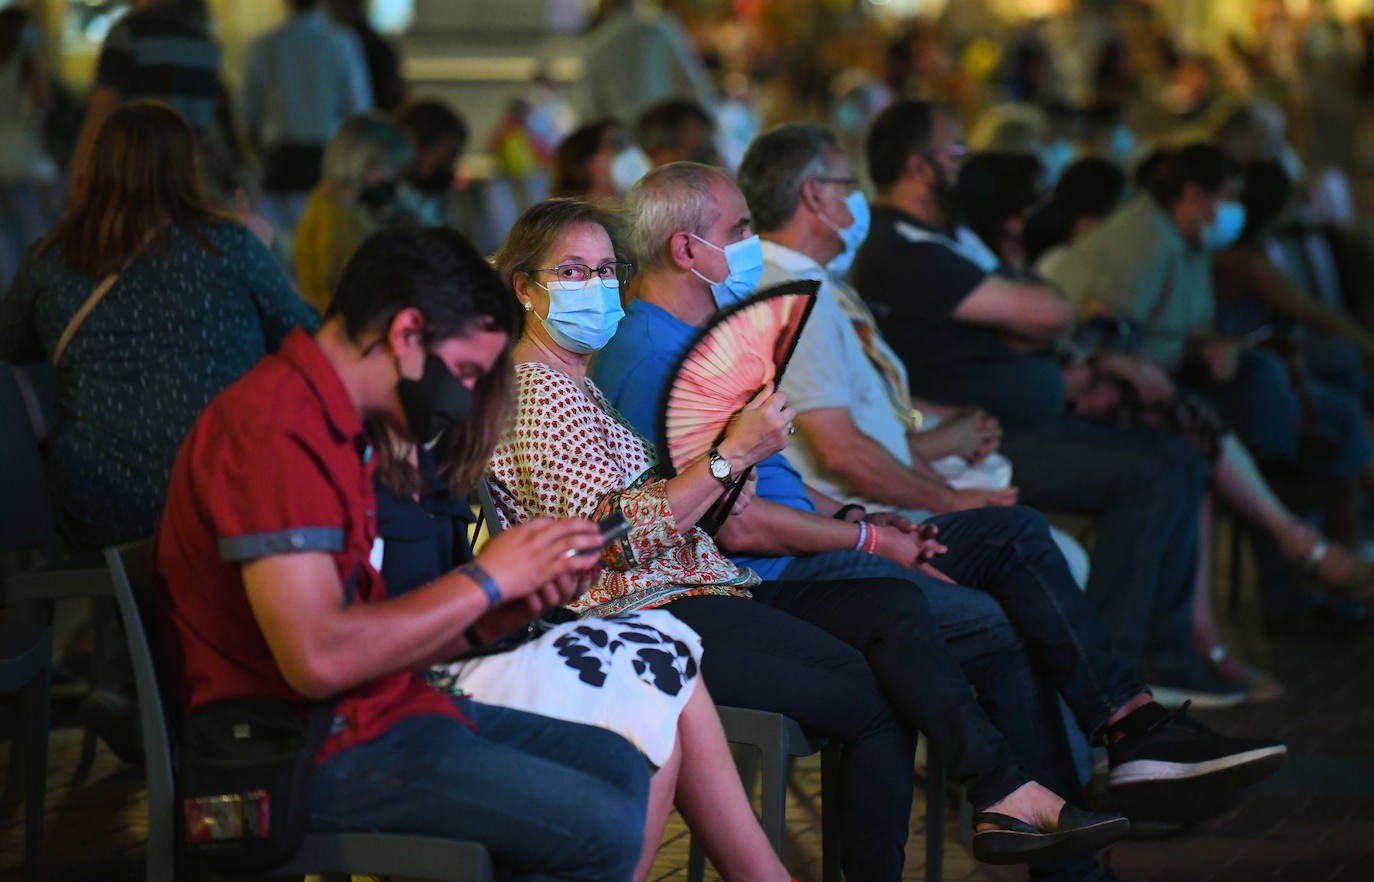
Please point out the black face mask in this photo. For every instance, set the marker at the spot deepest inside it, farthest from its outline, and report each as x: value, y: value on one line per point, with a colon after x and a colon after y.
x: 435, y: 181
x: 434, y: 403
x: 379, y: 197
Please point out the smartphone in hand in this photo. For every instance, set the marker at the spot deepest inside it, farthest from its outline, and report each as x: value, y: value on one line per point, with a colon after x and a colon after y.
x: 612, y: 528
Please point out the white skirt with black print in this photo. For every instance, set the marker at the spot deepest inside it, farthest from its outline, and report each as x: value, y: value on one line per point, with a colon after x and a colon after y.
x: 631, y: 673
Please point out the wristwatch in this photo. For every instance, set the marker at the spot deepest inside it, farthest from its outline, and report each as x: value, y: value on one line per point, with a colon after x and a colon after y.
x: 721, y: 469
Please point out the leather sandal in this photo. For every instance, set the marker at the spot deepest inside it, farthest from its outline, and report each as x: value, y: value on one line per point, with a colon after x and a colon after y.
x: 1354, y: 581
x: 1016, y: 842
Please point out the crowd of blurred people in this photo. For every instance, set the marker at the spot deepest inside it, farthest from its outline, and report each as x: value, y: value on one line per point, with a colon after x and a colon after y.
x: 1065, y: 268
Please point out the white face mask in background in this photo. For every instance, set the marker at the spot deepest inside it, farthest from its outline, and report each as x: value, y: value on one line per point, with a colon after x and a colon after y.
x: 628, y: 166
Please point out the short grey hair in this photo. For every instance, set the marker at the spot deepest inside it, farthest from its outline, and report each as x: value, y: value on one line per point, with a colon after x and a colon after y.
x: 774, y: 167
x: 673, y: 198
x: 362, y: 143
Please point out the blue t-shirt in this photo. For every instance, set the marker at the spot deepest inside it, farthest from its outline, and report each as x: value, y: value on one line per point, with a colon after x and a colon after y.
x: 633, y: 372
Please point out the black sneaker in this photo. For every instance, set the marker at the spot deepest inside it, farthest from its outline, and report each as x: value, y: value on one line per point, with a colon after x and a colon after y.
x: 1167, y: 758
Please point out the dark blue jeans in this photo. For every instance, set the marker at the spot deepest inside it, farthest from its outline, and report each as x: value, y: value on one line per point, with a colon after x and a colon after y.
x: 1265, y: 409
x: 1146, y: 488
x: 551, y: 800
x: 863, y: 661
x: 1023, y: 635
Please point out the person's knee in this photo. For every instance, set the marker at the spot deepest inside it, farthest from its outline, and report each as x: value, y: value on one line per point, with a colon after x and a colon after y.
x: 608, y: 830
x: 614, y: 835
x: 1024, y: 522
x: 1172, y: 466
x: 1267, y: 388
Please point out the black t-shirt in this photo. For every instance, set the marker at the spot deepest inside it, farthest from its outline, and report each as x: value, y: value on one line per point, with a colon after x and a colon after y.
x: 914, y: 285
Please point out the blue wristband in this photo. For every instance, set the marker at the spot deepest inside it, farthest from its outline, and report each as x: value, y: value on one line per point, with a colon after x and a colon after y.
x: 477, y: 573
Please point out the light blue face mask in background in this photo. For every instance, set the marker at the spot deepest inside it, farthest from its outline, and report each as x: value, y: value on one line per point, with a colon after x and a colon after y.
x: 1056, y: 157
x: 582, y: 316
x: 1223, y: 232
x: 1121, y: 146
x: 745, y: 262
x: 852, y: 236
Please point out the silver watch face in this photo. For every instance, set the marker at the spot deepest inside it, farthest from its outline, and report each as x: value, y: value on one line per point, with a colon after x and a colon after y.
x: 720, y: 469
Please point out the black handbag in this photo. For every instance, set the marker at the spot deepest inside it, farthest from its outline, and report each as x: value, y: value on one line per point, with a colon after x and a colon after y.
x: 246, y: 775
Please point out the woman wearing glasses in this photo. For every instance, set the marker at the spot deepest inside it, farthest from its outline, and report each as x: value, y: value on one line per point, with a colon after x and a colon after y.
x: 569, y: 454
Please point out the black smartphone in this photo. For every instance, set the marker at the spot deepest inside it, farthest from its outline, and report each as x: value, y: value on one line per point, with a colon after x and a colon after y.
x: 612, y: 528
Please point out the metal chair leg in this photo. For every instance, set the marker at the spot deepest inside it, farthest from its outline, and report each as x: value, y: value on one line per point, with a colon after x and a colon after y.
x: 36, y: 696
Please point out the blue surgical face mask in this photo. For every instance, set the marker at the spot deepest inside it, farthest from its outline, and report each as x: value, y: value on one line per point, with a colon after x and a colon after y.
x: 745, y: 261
x: 1122, y: 143
x: 582, y: 315
x: 1226, y: 229
x: 1057, y: 156
x: 852, y: 236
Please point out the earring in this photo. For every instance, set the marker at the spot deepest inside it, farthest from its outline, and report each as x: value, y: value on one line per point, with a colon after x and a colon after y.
x: 528, y: 306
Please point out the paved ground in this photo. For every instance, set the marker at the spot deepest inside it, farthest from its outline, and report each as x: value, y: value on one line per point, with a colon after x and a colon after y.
x: 1314, y: 822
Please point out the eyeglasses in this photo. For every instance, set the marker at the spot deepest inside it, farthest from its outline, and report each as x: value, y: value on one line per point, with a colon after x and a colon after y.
x: 611, y: 271
x: 847, y: 183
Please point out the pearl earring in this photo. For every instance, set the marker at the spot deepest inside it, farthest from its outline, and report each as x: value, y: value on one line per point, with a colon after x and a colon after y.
x: 529, y: 306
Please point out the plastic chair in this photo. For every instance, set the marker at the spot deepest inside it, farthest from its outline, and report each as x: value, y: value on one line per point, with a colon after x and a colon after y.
x: 26, y: 518
x: 26, y: 668
x: 778, y: 739
x: 423, y: 857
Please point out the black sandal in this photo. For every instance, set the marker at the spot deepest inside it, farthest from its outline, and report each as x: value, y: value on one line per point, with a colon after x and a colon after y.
x: 1016, y: 842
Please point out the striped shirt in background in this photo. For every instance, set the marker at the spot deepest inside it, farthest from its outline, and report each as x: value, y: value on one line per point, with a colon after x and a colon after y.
x: 164, y: 53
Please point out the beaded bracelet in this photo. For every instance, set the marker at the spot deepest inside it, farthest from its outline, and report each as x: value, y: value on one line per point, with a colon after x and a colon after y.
x: 863, y: 537
x: 477, y: 573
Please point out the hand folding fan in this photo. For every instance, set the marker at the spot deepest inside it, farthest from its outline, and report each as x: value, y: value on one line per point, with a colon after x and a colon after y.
x: 743, y: 349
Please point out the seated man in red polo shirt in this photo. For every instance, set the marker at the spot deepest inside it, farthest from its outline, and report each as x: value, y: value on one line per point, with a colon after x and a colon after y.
x: 270, y: 514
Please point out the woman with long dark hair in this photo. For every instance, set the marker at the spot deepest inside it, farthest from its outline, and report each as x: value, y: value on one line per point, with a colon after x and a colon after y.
x: 191, y: 300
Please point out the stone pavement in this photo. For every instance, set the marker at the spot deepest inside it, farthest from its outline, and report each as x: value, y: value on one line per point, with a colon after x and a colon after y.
x: 1314, y: 822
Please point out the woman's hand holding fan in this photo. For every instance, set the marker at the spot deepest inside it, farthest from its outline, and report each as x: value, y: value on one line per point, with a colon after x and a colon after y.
x: 758, y: 431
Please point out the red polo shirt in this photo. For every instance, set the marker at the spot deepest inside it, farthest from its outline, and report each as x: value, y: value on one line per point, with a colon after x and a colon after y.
x: 277, y: 463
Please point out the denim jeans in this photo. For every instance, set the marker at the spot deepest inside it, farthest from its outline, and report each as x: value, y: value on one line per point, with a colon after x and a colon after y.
x: 551, y: 800
x: 1260, y: 404
x: 1004, y: 553
x: 1266, y: 410
x: 1146, y: 488
x: 863, y: 661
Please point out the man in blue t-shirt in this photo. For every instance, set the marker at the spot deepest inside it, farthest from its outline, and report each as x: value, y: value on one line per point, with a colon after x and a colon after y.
x: 790, y: 531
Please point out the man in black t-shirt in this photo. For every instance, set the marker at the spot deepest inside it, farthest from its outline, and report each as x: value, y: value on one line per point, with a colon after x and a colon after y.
x: 972, y: 337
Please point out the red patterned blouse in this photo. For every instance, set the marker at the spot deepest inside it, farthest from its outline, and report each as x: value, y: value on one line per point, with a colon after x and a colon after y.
x: 569, y: 454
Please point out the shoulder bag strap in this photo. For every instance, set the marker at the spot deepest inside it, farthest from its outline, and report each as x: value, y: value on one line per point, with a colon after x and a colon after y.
x: 105, y: 285
x: 100, y: 291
